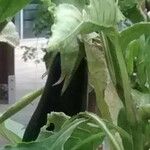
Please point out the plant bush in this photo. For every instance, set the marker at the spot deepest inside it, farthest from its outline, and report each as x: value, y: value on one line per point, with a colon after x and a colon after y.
x: 115, y: 35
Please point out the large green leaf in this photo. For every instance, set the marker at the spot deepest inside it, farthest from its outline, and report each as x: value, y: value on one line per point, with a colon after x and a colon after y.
x: 132, y: 9
x: 78, y: 3
x: 54, y: 142
x: 101, y: 124
x: 124, y: 89
x: 142, y: 64
x: 134, y: 32
x: 8, y: 8
x: 60, y: 38
x: 127, y: 4
x: 71, y: 21
x: 85, y: 136
x: 103, y: 13
x: 137, y: 59
x: 141, y: 67
x: 124, y: 124
x: 79, y: 132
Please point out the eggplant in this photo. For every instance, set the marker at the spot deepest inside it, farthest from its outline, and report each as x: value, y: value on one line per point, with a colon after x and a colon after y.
x: 71, y: 102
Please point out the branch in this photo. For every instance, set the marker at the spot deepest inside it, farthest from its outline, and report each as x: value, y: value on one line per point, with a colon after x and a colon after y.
x: 20, y: 104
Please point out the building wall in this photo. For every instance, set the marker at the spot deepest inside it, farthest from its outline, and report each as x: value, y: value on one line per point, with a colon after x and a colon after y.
x: 6, y: 72
x: 28, y: 74
x: 28, y: 78
x: 24, y: 20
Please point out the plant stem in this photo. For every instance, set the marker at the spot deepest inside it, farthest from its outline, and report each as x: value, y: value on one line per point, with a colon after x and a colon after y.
x: 133, y: 116
x: 23, y: 102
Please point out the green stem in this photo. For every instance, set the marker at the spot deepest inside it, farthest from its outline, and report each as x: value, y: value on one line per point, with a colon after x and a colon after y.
x: 23, y: 102
x: 127, y: 97
x: 124, y: 84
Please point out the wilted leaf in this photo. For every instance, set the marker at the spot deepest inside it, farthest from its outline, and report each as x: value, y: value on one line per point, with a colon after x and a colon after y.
x: 98, y: 74
x: 9, y: 35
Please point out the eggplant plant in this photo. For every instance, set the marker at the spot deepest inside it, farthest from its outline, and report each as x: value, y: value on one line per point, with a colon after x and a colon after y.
x: 96, y: 43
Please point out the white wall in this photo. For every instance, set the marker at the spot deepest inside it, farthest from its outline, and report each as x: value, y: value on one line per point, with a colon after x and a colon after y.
x: 28, y: 78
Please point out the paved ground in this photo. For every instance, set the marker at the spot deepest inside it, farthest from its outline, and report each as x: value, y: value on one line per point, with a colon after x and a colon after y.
x: 28, y: 77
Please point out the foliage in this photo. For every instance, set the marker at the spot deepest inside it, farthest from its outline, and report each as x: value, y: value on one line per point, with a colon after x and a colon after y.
x: 84, y: 131
x: 113, y: 49
x: 44, y: 18
x: 10, y: 8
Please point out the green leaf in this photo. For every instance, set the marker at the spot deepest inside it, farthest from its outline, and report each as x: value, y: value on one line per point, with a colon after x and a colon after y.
x: 125, y: 91
x: 103, y: 13
x: 71, y: 21
x: 85, y: 136
x: 6, y: 132
x: 10, y: 8
x: 135, y: 14
x: 132, y: 33
x: 142, y: 64
x: 137, y: 59
x: 147, y: 135
x: 54, y: 142
x: 81, y: 55
x: 124, y: 124
x: 103, y: 126
x: 123, y: 133
x: 132, y: 9
x: 9, y: 35
x: 60, y: 39
x: 127, y: 4
x: 80, y: 4
x: 130, y: 56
